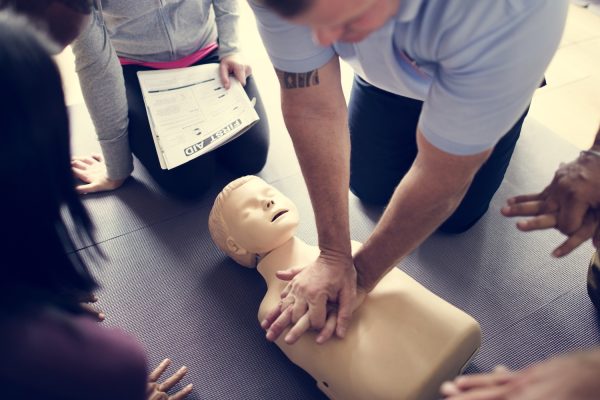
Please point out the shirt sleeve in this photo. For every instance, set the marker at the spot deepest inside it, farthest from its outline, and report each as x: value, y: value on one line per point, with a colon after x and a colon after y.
x: 103, y: 89
x: 487, y: 75
x: 290, y: 47
x: 226, y: 17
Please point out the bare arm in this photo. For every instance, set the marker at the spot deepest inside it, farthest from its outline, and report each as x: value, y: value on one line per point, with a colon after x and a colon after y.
x: 428, y: 194
x: 315, y: 114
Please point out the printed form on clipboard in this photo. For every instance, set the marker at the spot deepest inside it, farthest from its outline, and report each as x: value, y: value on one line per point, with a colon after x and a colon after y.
x: 191, y: 113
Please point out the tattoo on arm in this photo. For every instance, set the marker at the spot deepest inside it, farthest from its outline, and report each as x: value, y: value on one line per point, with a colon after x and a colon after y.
x: 292, y: 80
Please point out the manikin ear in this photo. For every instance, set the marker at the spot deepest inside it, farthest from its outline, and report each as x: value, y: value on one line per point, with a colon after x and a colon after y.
x: 234, y: 248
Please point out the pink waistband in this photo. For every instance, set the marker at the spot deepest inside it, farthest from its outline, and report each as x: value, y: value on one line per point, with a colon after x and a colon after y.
x: 181, y: 63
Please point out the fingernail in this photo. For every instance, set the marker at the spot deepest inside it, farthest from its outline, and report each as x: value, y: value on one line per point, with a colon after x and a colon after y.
x: 263, y: 324
x: 557, y: 253
x: 101, y: 316
x: 320, y: 340
x: 184, y: 368
x: 269, y: 336
x: 447, y: 387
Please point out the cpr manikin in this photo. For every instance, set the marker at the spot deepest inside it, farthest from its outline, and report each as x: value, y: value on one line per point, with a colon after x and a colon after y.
x: 403, y: 341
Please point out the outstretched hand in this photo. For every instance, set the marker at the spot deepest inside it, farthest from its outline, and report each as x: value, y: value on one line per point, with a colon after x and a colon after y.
x: 321, y: 296
x: 232, y: 65
x: 571, y: 377
x: 570, y: 204
x: 158, y: 391
x: 92, y: 171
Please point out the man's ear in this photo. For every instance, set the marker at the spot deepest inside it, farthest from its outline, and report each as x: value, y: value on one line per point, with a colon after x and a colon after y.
x: 234, y: 248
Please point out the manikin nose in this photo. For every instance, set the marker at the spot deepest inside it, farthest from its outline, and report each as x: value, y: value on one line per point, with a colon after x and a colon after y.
x: 268, y: 204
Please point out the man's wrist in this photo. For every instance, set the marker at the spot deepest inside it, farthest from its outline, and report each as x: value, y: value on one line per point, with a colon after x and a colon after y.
x: 364, y: 280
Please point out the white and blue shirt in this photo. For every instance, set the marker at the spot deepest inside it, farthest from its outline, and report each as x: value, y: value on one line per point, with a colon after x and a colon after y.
x: 474, y: 63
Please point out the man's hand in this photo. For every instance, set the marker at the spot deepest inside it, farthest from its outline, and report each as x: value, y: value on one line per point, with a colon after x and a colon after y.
x: 158, y: 391
x: 92, y: 171
x: 571, y: 377
x: 569, y: 204
x: 330, y: 280
x: 232, y: 65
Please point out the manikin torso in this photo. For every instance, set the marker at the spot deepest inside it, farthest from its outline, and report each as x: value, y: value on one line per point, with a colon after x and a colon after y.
x: 403, y: 342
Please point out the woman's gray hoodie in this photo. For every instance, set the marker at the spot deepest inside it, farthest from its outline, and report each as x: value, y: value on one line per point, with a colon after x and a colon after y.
x: 144, y: 30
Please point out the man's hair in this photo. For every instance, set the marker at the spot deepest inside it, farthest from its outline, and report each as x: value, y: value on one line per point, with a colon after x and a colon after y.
x: 40, y: 263
x: 38, y: 6
x: 217, y: 226
x: 288, y: 8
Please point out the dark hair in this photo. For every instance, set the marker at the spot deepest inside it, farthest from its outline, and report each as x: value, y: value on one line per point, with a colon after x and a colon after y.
x: 38, y: 6
x: 288, y: 8
x: 39, y: 263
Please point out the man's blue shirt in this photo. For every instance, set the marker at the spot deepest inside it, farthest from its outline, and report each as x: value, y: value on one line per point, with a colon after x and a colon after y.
x: 474, y: 63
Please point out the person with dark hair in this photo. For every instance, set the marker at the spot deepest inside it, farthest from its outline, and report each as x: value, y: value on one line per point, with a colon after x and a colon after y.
x: 51, y: 349
x: 441, y: 90
x: 127, y: 36
x: 62, y: 19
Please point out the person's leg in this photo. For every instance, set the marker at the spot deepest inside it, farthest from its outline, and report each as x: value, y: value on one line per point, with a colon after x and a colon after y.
x: 247, y: 154
x: 187, y: 181
x: 593, y: 280
x: 485, y: 184
x: 383, y: 130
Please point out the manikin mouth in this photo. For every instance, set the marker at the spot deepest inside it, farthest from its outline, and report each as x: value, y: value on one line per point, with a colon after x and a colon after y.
x: 279, y: 214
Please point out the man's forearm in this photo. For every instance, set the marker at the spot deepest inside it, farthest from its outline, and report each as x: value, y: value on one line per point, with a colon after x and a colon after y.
x: 316, y: 118
x: 427, y: 195
x: 415, y: 211
x: 322, y: 147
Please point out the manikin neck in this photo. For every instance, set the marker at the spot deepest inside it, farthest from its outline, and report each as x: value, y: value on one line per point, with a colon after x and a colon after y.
x: 268, y: 269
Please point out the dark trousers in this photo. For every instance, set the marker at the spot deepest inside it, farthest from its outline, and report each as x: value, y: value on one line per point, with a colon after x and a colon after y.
x: 244, y: 155
x: 383, y: 129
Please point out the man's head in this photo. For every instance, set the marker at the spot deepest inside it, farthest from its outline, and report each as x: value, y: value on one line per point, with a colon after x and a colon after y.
x: 337, y: 20
x: 62, y: 19
x: 249, y: 218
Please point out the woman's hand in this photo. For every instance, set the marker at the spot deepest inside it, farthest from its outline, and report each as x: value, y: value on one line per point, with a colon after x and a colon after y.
x: 86, y: 304
x: 92, y: 171
x: 158, y: 391
x: 232, y: 65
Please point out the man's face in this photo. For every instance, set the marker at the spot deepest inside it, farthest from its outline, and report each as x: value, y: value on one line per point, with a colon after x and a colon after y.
x: 346, y: 20
x: 259, y: 217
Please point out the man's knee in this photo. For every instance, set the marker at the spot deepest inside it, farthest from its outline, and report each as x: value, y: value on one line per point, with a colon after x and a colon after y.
x: 593, y: 280
x: 460, y: 222
x: 371, y: 192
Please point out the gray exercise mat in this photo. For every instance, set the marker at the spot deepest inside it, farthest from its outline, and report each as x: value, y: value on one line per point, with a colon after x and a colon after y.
x: 165, y: 281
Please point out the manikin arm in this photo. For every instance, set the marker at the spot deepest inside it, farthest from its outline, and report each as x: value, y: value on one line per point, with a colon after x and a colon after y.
x: 429, y: 193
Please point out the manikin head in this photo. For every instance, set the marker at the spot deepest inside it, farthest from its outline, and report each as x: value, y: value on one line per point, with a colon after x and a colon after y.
x: 337, y: 20
x: 250, y: 218
x: 63, y: 20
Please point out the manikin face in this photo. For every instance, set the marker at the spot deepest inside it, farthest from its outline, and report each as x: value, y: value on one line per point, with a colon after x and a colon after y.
x: 346, y: 20
x: 259, y: 217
